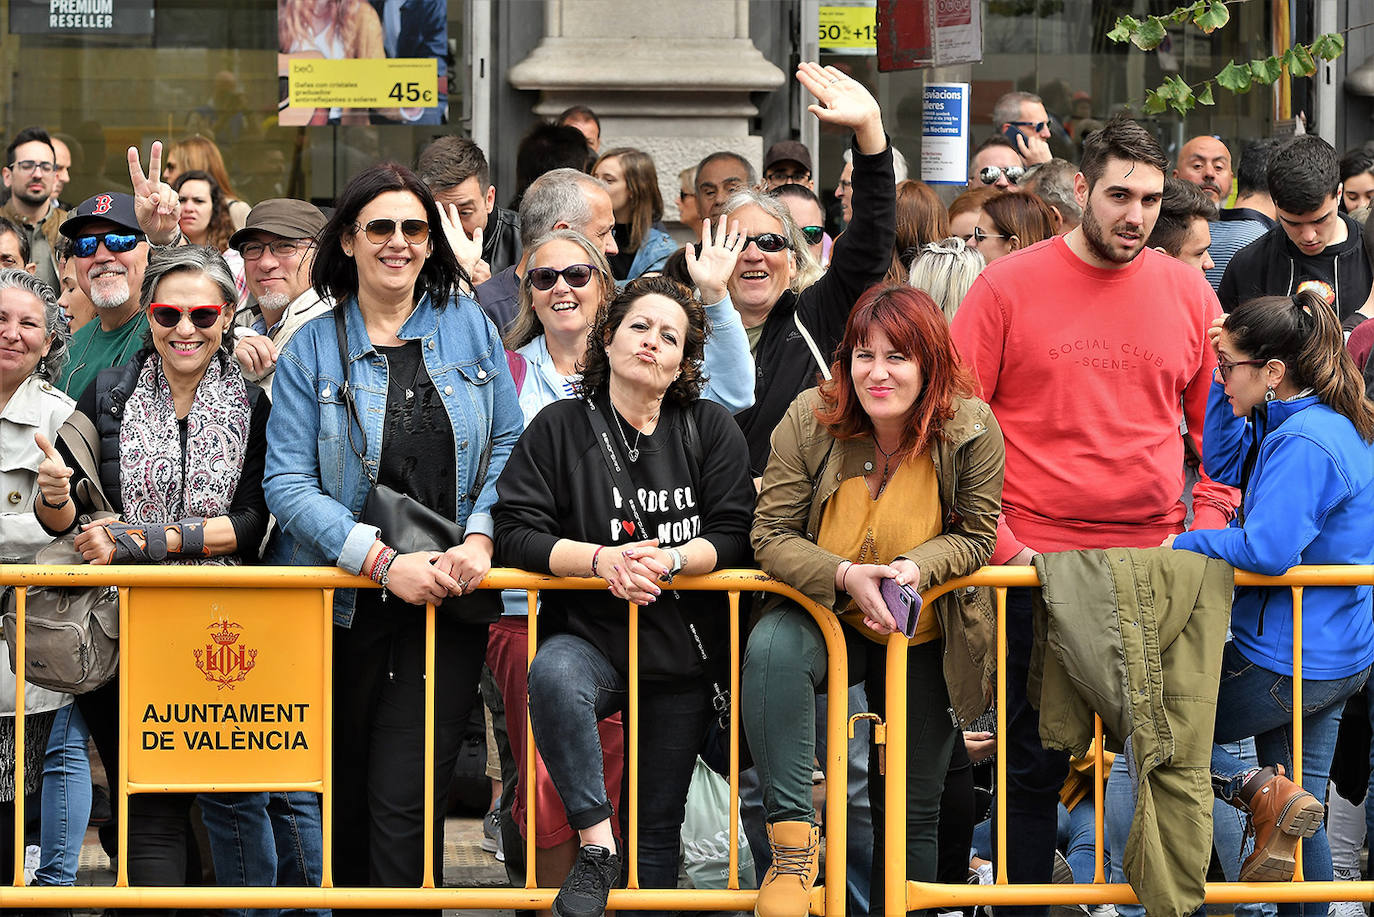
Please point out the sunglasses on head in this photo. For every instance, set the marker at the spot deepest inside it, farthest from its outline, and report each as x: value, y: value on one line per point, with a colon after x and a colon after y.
x: 380, y: 231
x: 990, y: 174
x: 201, y: 316
x: 115, y: 243
x: 544, y: 278
x: 813, y: 234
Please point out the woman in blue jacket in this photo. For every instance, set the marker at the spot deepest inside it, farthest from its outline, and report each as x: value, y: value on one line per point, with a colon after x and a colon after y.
x: 1289, y: 425
x: 434, y: 416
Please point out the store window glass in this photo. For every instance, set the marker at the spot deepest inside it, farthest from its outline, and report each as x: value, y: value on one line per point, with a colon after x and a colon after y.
x: 1058, y: 49
x: 207, y: 67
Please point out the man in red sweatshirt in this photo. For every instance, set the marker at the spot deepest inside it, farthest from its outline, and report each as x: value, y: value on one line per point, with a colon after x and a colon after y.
x: 1091, y: 349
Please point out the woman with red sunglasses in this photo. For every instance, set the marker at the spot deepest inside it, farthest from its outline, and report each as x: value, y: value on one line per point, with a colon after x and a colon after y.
x: 183, y: 439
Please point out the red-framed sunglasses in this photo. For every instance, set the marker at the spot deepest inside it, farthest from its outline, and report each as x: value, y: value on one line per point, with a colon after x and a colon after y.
x: 169, y: 316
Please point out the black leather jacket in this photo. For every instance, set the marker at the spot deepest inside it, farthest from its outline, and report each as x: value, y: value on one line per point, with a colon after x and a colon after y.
x: 501, y: 240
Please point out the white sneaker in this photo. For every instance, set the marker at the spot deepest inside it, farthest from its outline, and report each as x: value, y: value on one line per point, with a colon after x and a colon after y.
x: 1345, y: 909
x: 1102, y: 910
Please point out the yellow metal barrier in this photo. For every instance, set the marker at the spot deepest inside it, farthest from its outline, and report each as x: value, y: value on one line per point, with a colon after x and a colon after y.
x: 902, y: 895
x: 172, y: 610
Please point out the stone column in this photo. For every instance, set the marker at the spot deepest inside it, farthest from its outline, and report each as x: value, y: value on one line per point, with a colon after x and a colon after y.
x: 670, y: 77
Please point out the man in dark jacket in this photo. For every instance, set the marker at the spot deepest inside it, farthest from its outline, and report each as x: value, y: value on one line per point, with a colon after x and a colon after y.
x: 1314, y: 247
x: 456, y: 172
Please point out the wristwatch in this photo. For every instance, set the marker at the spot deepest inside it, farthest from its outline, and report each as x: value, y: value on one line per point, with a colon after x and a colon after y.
x: 678, y: 563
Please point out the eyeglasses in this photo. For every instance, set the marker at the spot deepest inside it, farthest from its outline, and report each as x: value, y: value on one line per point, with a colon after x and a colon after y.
x: 979, y: 236
x: 1223, y: 371
x: 1036, y: 126
x: 989, y: 174
x: 115, y: 243
x: 787, y: 177
x: 380, y: 231
x: 770, y: 242
x: 813, y: 234
x: 30, y: 165
x: 845, y: 184
x: 201, y: 316
x: 280, y: 248
x: 544, y: 278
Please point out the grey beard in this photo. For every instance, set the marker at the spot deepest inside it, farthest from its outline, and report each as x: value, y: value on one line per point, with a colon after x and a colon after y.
x: 273, y: 301
x: 111, y: 300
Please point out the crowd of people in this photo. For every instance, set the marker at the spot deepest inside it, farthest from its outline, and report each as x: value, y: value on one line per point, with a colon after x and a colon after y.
x: 1068, y: 357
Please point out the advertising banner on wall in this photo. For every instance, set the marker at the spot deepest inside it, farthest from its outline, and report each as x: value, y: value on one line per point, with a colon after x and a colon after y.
x: 944, y: 133
x: 373, y: 63
x: 81, y: 17
x: 914, y: 34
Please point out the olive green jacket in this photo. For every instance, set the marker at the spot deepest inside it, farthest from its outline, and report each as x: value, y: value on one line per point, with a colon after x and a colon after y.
x: 1136, y: 635
x: 806, y: 467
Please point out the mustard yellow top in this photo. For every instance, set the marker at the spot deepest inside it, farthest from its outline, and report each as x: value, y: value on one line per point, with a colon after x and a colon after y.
x: 868, y: 531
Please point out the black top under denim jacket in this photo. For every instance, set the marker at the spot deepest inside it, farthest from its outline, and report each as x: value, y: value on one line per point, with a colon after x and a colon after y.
x: 556, y: 485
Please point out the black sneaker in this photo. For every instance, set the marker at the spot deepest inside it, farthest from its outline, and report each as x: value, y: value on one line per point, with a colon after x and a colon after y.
x: 591, y: 879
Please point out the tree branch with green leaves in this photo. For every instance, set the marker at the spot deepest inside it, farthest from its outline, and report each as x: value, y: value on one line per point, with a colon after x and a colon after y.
x: 1300, y: 60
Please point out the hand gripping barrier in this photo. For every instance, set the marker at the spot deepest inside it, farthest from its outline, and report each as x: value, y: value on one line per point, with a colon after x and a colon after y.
x: 199, y: 643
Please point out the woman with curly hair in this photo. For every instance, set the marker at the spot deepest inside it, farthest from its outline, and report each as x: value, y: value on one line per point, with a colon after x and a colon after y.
x: 685, y: 508
x: 205, y: 220
x: 200, y: 154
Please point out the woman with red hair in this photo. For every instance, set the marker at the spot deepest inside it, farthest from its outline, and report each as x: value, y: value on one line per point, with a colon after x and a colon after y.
x: 891, y: 470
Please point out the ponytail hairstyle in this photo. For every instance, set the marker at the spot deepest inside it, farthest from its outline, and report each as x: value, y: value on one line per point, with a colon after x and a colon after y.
x: 1303, y: 332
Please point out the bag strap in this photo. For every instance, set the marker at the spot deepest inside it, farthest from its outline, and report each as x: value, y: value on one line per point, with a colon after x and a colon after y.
x: 346, y: 391
x: 621, y: 479
x: 811, y: 344
x: 84, y: 443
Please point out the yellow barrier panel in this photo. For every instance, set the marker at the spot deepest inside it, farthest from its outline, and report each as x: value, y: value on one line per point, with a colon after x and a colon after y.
x: 918, y: 895
x: 250, y: 639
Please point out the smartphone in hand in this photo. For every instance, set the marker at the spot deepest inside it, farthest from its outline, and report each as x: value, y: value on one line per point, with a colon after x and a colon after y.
x: 1012, y: 133
x: 903, y: 603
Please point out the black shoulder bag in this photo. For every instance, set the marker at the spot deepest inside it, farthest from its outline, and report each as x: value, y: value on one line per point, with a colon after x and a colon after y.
x: 715, y: 746
x: 407, y: 524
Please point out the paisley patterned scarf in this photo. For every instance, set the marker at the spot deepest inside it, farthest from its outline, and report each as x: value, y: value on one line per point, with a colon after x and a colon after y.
x: 158, y: 483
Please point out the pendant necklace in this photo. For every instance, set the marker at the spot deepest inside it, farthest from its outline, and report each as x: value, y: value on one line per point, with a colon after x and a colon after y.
x: 632, y: 453
x: 887, y: 456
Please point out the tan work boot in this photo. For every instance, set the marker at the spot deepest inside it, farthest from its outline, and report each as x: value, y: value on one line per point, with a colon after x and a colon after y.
x: 1281, y: 812
x: 786, y: 888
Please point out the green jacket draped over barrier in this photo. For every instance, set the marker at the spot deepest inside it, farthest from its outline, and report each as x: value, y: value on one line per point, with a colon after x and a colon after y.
x: 1136, y: 636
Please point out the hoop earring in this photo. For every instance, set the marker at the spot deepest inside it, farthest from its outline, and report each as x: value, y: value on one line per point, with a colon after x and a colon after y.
x: 1269, y: 395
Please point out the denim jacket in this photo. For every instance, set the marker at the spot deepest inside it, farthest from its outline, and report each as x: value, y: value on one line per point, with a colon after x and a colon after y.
x: 652, y: 254
x: 314, y: 481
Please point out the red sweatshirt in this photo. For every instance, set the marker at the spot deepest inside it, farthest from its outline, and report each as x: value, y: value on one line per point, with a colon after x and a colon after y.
x: 1086, y: 370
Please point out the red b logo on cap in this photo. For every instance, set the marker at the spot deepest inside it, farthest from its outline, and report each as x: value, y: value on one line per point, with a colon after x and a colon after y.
x: 103, y: 204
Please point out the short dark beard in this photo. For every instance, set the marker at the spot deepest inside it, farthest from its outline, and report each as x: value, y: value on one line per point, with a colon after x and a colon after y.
x: 1097, y: 242
x: 22, y: 194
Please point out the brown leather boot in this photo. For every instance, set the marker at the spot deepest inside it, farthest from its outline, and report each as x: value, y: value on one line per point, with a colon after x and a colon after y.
x: 786, y: 888
x: 1281, y: 812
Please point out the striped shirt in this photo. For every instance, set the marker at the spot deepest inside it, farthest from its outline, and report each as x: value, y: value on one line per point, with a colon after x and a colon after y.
x: 1229, y: 237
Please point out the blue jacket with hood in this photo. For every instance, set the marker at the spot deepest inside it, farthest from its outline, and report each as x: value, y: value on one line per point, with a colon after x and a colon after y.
x: 1308, y: 499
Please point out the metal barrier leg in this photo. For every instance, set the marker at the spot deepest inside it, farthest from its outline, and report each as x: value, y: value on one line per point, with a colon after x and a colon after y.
x: 20, y: 720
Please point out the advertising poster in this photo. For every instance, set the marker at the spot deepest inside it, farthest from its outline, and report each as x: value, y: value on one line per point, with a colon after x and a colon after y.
x: 362, y: 62
x: 81, y: 17
x: 944, y: 134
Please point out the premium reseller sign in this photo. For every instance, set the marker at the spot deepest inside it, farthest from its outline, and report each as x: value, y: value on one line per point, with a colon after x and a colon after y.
x: 225, y: 686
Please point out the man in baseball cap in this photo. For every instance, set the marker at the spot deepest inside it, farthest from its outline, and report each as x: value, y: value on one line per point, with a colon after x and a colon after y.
x: 277, y: 243
x: 787, y: 162
x: 111, y: 234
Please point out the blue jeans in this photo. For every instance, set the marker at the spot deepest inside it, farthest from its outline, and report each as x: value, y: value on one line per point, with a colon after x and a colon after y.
x: 66, y: 807
x: 573, y: 686
x: 265, y: 840
x: 1253, y: 701
x: 1075, y: 830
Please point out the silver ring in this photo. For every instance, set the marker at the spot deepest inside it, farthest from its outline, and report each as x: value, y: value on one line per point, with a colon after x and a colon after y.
x: 462, y: 584
x: 835, y: 79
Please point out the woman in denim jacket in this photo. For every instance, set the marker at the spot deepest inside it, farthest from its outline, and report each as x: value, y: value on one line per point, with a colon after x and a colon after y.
x: 432, y: 389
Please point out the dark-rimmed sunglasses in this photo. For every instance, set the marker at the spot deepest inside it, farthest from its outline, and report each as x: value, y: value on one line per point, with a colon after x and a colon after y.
x: 380, y: 231
x: 770, y: 242
x: 978, y: 235
x: 1223, y: 371
x: 813, y: 234
x: 115, y: 243
x: 1036, y: 126
x: 544, y: 278
x: 169, y: 316
x: 990, y: 174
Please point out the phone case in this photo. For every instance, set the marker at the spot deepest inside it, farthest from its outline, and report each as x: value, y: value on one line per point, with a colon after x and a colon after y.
x: 904, y: 603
